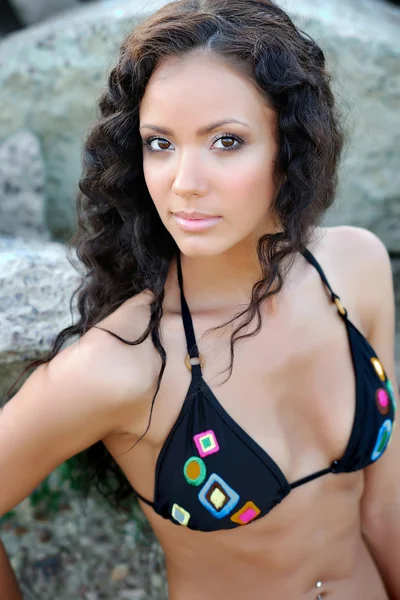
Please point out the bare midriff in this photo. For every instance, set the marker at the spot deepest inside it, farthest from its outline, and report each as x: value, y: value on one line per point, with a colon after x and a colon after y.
x: 309, y: 547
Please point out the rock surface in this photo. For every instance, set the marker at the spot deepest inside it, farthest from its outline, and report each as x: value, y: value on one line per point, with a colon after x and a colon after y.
x: 32, y: 12
x: 77, y: 552
x: 54, y: 73
x: 50, y: 82
x: 360, y: 40
x: 22, y: 180
x: 36, y: 284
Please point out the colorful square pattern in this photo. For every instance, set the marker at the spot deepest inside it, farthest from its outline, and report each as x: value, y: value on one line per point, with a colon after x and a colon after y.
x: 180, y: 514
x: 247, y: 513
x: 218, y: 497
x: 206, y: 443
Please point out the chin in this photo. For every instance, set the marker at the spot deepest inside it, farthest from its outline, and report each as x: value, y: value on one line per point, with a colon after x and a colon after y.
x: 196, y: 248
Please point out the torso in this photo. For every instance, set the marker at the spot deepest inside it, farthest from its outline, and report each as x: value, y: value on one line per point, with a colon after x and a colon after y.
x: 293, y: 390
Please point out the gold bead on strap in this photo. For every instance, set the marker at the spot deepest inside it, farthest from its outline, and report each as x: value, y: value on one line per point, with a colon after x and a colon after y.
x: 195, y: 360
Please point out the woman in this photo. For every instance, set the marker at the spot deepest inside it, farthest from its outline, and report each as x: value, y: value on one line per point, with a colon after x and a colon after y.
x: 261, y: 459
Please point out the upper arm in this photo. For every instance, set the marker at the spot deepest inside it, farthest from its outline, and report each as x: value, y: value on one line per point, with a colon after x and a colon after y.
x: 381, y: 496
x: 64, y: 407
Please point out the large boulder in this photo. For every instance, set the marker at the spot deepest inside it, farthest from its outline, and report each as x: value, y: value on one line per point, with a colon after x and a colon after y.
x: 32, y: 12
x: 50, y: 78
x: 36, y: 284
x: 54, y: 73
x: 22, y: 179
x: 361, y: 42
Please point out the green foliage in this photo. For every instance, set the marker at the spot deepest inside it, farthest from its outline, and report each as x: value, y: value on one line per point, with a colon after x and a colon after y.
x: 55, y: 491
x: 47, y: 497
x: 52, y: 492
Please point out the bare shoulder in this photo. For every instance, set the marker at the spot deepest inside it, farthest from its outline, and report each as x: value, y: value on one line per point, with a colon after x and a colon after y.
x: 112, y: 345
x: 353, y: 247
x: 359, y: 267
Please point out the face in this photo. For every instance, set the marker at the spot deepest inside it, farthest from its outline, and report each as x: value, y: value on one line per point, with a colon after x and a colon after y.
x: 208, y: 154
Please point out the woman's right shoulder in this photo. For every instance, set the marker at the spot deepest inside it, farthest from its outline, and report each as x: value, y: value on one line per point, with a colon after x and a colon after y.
x: 103, y: 369
x: 133, y: 367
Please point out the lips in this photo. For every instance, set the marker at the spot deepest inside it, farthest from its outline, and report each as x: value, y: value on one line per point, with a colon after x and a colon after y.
x: 194, y: 215
x: 195, y: 221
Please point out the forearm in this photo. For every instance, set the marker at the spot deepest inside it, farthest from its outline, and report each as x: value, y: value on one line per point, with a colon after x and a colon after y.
x: 9, y: 588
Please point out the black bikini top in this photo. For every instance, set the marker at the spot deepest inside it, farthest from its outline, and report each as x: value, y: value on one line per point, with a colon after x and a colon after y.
x: 212, y: 475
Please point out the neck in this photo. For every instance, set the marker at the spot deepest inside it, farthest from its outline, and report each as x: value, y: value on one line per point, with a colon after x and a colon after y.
x: 220, y: 281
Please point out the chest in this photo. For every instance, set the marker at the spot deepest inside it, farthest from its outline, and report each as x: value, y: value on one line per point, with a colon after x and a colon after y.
x: 292, y: 387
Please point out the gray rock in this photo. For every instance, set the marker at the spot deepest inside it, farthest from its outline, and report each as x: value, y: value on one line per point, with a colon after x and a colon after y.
x: 360, y: 40
x: 36, y: 284
x: 56, y: 71
x: 22, y: 180
x: 31, y: 12
x: 132, y: 595
x: 52, y: 78
x: 75, y: 568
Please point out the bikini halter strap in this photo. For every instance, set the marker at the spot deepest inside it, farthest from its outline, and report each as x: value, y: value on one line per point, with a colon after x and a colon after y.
x: 193, y: 359
x: 335, y: 298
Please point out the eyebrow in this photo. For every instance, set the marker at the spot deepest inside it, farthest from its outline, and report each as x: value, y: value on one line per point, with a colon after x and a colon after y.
x: 201, y: 131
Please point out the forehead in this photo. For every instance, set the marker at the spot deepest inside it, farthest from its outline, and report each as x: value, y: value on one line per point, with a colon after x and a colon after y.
x: 198, y: 87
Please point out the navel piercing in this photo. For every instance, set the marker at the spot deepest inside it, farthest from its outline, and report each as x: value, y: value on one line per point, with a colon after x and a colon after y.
x: 318, y: 585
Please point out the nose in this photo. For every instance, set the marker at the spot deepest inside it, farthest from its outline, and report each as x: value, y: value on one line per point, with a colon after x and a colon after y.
x: 189, y: 178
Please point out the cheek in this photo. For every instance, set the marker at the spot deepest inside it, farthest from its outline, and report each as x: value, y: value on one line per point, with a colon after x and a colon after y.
x: 249, y: 185
x: 156, y: 180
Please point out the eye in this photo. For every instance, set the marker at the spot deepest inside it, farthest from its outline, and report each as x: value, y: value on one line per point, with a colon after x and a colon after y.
x: 162, y: 142
x: 147, y: 143
x: 231, y: 137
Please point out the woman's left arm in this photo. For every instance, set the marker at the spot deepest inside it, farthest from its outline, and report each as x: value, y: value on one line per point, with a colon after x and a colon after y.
x: 380, y: 504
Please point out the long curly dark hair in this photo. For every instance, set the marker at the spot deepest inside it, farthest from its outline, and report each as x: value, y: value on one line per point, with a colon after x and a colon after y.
x: 120, y: 240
